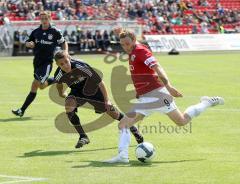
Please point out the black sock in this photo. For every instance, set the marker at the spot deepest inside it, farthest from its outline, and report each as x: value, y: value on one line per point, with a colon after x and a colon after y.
x: 31, y: 96
x: 50, y: 81
x: 135, y: 131
x: 120, y: 116
x: 74, y: 119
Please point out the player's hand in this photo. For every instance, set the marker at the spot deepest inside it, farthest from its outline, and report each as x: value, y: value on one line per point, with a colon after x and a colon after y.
x: 173, y: 91
x: 108, y: 105
x: 30, y: 44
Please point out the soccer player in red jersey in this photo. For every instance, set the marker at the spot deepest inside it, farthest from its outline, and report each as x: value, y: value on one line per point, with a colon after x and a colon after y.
x: 154, y: 91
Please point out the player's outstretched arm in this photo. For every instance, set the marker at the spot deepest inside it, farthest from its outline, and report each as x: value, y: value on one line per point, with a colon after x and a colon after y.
x: 61, y: 92
x: 164, y: 79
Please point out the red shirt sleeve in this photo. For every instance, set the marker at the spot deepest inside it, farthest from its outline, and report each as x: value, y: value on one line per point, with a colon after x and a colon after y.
x: 147, y: 58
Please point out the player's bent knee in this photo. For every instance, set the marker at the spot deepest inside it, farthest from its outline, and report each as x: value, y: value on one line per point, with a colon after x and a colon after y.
x: 70, y: 105
x: 42, y: 86
x: 121, y: 125
x: 35, y: 86
x: 69, y: 108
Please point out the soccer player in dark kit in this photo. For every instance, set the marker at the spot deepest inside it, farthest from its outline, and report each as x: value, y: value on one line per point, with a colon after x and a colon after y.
x: 44, y: 40
x: 86, y: 87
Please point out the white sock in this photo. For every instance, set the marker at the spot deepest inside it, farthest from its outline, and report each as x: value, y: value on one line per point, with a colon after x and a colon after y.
x: 124, y: 142
x: 195, y: 110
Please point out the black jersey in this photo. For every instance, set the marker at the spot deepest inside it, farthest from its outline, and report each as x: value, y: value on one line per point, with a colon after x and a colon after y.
x: 81, y: 78
x: 46, y: 42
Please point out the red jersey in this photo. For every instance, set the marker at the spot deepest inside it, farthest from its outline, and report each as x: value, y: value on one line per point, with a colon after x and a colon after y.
x: 143, y: 76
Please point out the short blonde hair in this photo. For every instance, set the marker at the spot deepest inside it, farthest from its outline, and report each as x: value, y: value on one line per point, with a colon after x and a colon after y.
x: 47, y: 13
x: 127, y: 33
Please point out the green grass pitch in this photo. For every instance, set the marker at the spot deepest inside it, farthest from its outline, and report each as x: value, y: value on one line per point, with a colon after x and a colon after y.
x: 206, y: 152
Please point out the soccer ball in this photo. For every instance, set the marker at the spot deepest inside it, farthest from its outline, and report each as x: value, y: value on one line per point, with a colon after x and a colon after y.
x: 145, y: 152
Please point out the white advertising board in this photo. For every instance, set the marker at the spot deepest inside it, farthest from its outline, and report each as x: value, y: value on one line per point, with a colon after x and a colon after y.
x: 198, y: 42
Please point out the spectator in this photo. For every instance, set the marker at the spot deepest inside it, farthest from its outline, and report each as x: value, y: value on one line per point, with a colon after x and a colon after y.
x: 194, y: 29
x: 6, y: 20
x: 16, y: 39
x: 132, y: 12
x: 203, y: 3
x: 59, y: 14
x: 22, y: 39
x: 182, y: 5
x: 204, y: 27
x: 169, y: 29
x: 73, y: 38
x: 189, y: 4
x: 177, y: 20
x: 30, y: 15
x: 220, y: 9
x: 106, y: 40
x: 152, y: 14
x: 237, y: 29
x: 90, y: 41
x: 114, y: 38
x: 99, y: 40
x: 66, y: 36
x: 220, y: 28
x: 82, y: 39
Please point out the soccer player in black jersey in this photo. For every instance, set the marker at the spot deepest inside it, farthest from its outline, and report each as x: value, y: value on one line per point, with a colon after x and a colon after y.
x: 86, y: 87
x: 43, y: 41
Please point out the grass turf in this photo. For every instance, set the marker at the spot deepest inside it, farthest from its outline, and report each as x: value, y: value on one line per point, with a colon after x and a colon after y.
x: 206, y: 152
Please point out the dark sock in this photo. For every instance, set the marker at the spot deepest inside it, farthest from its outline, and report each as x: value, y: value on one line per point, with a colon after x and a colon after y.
x: 50, y: 81
x: 74, y: 119
x: 31, y: 96
x: 135, y: 131
x: 120, y: 116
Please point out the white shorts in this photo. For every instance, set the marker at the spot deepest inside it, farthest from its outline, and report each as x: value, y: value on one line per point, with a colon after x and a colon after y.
x: 158, y: 100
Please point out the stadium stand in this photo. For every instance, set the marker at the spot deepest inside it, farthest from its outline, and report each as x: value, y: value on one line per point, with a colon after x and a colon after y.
x: 156, y: 17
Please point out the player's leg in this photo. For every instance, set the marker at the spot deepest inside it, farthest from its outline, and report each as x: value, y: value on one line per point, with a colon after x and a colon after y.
x: 97, y: 101
x: 41, y: 80
x: 125, y: 137
x: 116, y: 114
x: 47, y: 83
x: 70, y: 106
x: 44, y: 78
x: 29, y: 99
x: 182, y: 119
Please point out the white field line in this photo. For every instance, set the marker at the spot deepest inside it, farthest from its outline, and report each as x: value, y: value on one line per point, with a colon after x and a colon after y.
x: 19, y: 179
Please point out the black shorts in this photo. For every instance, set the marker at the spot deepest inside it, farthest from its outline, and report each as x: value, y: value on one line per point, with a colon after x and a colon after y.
x: 97, y: 100
x: 42, y: 72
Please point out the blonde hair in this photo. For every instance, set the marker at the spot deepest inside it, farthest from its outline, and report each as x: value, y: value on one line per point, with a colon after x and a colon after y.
x: 127, y: 33
x: 47, y: 13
